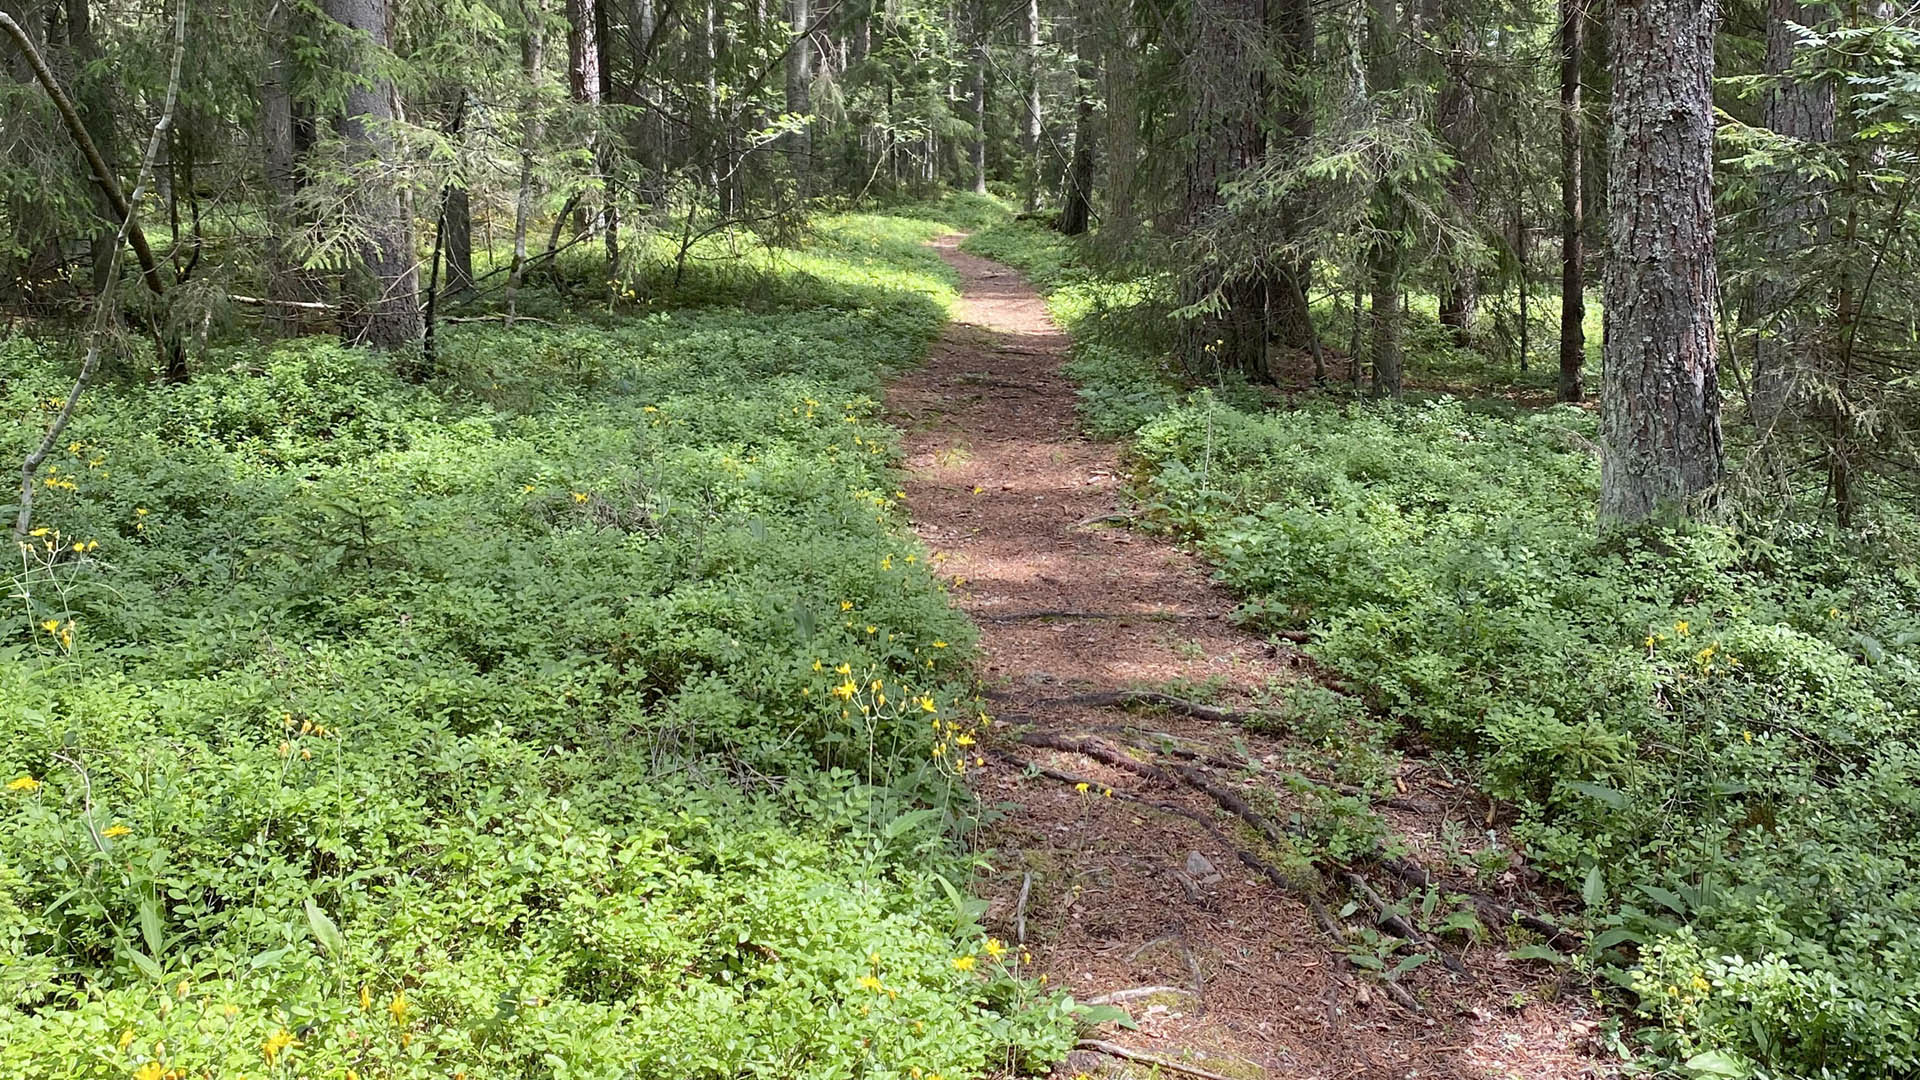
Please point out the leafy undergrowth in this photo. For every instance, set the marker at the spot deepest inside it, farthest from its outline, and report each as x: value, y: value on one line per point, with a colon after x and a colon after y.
x: 568, y: 717
x: 1712, y: 734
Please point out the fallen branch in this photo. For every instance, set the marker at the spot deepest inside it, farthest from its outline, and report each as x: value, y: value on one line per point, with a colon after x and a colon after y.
x: 1116, y: 1050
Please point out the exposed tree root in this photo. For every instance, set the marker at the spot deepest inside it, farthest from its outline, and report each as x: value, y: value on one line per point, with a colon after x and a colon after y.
x: 1308, y: 891
x: 1144, y: 1058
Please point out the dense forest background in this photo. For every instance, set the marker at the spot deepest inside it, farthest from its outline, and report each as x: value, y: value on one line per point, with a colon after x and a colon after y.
x: 465, y: 620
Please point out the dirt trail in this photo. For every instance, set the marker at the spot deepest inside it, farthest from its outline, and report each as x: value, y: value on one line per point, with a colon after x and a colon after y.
x: 1119, y: 895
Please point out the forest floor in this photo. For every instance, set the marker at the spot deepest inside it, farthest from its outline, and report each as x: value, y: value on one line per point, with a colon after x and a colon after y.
x: 1118, y: 893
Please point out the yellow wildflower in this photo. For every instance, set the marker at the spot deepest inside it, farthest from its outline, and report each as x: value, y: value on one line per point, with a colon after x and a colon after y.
x: 126, y: 1038
x: 868, y: 982
x: 846, y: 605
x: 1081, y: 787
x: 963, y: 963
x: 1680, y: 628
x: 152, y: 1070
x: 579, y: 496
x: 995, y: 948
x: 939, y: 644
x: 114, y: 832
x: 927, y: 705
x: 276, y: 1043
x: 23, y: 783
x: 398, y: 1007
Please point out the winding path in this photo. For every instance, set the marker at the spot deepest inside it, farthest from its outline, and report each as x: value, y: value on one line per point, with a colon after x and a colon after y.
x: 1109, y: 893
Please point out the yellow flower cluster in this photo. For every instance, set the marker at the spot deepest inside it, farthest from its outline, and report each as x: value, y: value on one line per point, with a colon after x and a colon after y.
x: 24, y: 784
x: 61, y: 632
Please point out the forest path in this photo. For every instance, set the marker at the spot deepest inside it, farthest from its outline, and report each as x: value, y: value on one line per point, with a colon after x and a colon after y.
x: 1109, y: 893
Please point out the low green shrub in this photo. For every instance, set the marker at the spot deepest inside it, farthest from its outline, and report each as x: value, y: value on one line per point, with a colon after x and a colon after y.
x: 571, y: 716
x: 1712, y: 733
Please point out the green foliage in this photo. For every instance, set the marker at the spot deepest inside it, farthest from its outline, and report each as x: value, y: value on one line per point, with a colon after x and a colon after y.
x: 1712, y: 734
x: 567, y: 718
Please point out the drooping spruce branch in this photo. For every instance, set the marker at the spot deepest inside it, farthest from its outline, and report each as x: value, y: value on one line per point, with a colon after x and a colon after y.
x: 130, y: 231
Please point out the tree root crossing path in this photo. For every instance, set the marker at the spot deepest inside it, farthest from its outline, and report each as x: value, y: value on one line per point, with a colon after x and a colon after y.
x: 1189, y: 880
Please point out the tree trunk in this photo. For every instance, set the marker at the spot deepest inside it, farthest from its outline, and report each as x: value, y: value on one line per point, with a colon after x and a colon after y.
x: 583, y: 71
x: 1122, y: 127
x: 530, y: 49
x: 1387, y: 256
x: 1660, y: 394
x: 1030, y: 76
x: 93, y: 100
x: 276, y: 137
x: 1458, y: 119
x: 1076, y: 210
x: 977, y: 95
x: 1573, y: 271
x: 1794, y: 214
x: 799, y: 91
x: 383, y: 309
x: 1225, y: 93
x: 603, y: 156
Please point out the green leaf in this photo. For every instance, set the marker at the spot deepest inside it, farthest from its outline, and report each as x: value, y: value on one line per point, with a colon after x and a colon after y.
x: 1718, y: 1063
x: 1095, y: 1015
x: 1537, y: 952
x: 325, y: 931
x: 1594, y: 889
x: 1408, y: 964
x: 1605, y: 794
x: 151, y: 929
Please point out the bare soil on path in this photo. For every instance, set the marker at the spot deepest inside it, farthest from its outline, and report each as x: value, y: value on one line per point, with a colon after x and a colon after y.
x: 1118, y: 893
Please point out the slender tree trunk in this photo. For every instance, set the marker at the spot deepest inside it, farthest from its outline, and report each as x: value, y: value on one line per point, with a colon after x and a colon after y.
x: 384, y: 309
x: 977, y: 95
x: 1030, y: 76
x: 92, y: 98
x: 1076, y: 211
x: 1388, y: 255
x: 799, y: 91
x: 1573, y: 271
x: 1457, y: 113
x: 1122, y: 127
x: 603, y: 155
x: 1794, y: 213
x: 276, y: 137
x: 583, y: 72
x: 530, y: 49
x: 1660, y: 394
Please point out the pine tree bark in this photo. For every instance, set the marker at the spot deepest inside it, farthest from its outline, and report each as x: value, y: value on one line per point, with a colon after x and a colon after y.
x: 384, y: 309
x: 1076, y: 210
x: 531, y: 44
x: 1573, y: 271
x: 1224, y: 95
x: 977, y: 99
x: 1794, y: 214
x: 1122, y: 134
x: 1660, y: 393
x: 277, y: 142
x: 799, y: 90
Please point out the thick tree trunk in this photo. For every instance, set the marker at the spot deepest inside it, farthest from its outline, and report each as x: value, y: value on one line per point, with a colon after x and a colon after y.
x: 583, y: 68
x: 1573, y: 271
x: 1795, y: 212
x: 1458, y: 117
x: 383, y: 310
x: 603, y: 155
x: 1225, y: 92
x: 459, y: 239
x: 1660, y: 392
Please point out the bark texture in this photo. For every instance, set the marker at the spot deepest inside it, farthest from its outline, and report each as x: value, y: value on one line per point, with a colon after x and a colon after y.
x: 384, y: 309
x: 1660, y: 392
x: 1573, y: 271
x: 1795, y: 213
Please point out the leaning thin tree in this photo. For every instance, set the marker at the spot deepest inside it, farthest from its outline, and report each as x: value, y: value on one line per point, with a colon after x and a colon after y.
x: 129, y: 232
